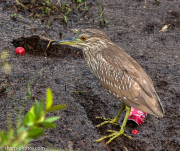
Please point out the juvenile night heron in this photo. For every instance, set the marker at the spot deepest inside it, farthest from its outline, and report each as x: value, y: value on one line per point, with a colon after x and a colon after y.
x: 118, y: 73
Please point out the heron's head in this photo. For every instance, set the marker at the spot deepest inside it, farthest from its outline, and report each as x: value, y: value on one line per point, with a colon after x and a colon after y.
x: 86, y: 38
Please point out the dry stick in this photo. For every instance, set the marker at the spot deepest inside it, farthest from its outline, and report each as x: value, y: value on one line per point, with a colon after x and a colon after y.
x: 21, y: 4
x: 59, y: 1
x: 48, y: 45
x: 145, y: 4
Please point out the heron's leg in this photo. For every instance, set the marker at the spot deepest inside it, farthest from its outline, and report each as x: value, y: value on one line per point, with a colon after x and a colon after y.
x: 112, y: 121
x: 121, y: 132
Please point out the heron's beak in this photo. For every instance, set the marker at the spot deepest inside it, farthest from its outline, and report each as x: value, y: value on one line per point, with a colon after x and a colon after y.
x: 67, y: 41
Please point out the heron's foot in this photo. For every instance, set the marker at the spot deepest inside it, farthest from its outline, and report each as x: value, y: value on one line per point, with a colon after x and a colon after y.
x: 114, y: 135
x: 106, y: 121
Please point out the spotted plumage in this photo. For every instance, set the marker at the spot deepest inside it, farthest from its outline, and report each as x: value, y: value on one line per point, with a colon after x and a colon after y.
x: 118, y: 73
x: 121, y: 74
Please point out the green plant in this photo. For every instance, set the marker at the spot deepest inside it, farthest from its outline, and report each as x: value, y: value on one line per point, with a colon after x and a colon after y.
x: 21, y: 4
x: 15, y: 17
x: 101, y: 10
x: 65, y: 16
x: 78, y: 1
x: 48, y: 8
x: 86, y: 6
x: 30, y: 95
x: 32, y: 126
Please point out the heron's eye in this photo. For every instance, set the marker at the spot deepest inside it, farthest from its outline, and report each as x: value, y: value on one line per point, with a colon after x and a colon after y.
x: 83, y: 38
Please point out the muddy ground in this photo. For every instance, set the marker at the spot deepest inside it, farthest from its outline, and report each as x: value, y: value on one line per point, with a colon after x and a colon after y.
x: 135, y: 27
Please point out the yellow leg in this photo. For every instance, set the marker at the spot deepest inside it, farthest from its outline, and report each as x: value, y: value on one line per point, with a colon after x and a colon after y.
x: 121, y: 132
x: 112, y: 121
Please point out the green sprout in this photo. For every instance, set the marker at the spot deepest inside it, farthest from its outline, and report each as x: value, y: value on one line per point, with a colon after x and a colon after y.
x: 33, y: 125
x: 103, y: 21
x: 48, y: 8
x: 65, y: 16
x: 78, y: 1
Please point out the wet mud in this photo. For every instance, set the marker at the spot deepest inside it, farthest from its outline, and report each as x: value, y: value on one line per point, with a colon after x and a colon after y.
x: 134, y: 26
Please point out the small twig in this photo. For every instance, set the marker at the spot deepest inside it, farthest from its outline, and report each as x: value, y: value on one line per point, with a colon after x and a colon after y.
x: 85, y: 4
x: 21, y: 4
x: 15, y: 9
x: 144, y: 4
x: 59, y: 1
x: 48, y: 46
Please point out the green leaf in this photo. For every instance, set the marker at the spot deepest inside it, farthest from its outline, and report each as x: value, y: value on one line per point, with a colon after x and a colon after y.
x: 101, y: 13
x: 51, y: 119
x: 20, y: 140
x: 29, y: 119
x: 48, y: 2
x: 56, y: 107
x: 38, y: 109
x: 65, y: 19
x: 21, y: 130
x: 32, y: 111
x: 47, y: 125
x: 35, y: 132
x: 29, y: 91
x: 69, y: 10
x: 49, y: 99
x: 42, y: 100
x: 99, y: 3
x: 79, y: 1
x: 3, y: 138
x: 11, y: 134
x: 106, y: 21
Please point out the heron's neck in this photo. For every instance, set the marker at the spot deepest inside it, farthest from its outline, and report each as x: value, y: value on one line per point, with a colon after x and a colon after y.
x: 91, y: 60
x: 93, y: 48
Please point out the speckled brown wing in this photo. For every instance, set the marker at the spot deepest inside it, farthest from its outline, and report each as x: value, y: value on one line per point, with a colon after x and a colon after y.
x: 123, y: 77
